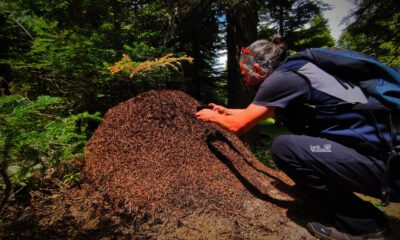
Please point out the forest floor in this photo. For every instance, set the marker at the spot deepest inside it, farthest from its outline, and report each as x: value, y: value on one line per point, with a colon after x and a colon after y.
x: 153, y: 171
x: 65, y: 214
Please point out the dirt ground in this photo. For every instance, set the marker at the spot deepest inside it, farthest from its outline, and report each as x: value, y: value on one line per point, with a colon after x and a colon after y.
x: 81, y: 213
x: 153, y: 171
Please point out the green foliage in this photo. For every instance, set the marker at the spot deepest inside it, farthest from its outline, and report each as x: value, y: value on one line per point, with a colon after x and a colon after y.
x: 353, y: 42
x: 69, y: 63
x: 65, y: 53
x: 269, y: 129
x: 317, y: 35
x: 261, y: 151
x: 289, y: 19
x: 63, y: 62
x: 375, y: 30
x: 34, y: 136
x: 141, y: 50
x: 386, y: 52
x: 68, y: 179
x: 268, y: 122
x: 73, y: 43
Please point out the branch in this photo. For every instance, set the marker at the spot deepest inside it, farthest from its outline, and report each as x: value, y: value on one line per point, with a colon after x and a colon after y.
x: 396, y: 54
x: 26, y: 31
x: 133, y: 68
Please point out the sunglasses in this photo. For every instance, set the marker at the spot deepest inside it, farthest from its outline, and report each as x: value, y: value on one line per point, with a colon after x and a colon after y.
x: 246, y: 51
x: 252, y: 58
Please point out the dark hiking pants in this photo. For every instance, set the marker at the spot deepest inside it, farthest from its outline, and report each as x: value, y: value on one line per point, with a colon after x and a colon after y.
x: 330, y: 173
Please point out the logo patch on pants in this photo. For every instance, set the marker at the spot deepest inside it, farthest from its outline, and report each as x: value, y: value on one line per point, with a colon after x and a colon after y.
x: 318, y: 148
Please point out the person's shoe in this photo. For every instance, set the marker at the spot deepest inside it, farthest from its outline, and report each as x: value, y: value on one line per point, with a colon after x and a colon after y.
x: 330, y: 233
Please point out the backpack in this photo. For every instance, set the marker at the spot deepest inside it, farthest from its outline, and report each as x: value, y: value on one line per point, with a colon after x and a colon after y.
x: 375, y: 79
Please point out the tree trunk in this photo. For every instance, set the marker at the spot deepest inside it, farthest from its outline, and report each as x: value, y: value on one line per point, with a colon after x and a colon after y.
x: 196, y: 69
x: 242, y: 19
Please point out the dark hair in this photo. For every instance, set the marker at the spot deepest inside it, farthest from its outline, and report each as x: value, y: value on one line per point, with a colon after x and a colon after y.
x: 268, y: 54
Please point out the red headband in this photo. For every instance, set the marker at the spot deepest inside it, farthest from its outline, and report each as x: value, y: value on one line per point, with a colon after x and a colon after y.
x: 244, y: 50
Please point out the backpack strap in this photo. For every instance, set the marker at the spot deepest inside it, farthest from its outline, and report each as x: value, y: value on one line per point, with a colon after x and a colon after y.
x: 393, y: 154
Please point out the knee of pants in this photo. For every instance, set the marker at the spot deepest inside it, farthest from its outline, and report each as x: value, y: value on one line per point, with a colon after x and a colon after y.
x: 287, y: 155
x: 282, y: 149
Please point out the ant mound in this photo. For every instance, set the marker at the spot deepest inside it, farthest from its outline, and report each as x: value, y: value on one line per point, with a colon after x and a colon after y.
x: 151, y: 155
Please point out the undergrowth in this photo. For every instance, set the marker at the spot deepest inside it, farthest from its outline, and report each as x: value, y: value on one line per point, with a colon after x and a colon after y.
x: 38, y: 138
x: 269, y: 129
x: 262, y: 153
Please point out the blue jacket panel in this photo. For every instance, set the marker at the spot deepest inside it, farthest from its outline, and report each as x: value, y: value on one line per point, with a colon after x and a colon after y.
x: 330, y: 112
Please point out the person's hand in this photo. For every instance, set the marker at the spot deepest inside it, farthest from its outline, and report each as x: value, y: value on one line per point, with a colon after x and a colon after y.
x: 206, y: 115
x: 218, y: 108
